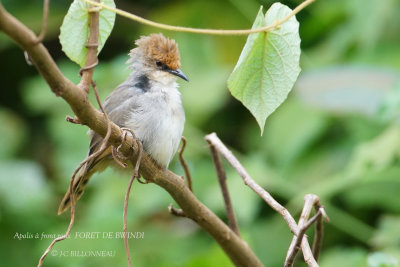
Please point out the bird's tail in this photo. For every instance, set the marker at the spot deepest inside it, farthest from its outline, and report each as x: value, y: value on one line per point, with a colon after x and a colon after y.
x: 80, y: 182
x: 97, y: 164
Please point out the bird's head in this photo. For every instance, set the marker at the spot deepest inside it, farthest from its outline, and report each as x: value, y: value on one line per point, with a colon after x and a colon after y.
x: 157, y: 56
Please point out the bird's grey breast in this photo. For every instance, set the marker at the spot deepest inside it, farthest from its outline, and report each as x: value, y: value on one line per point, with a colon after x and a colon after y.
x: 152, y: 110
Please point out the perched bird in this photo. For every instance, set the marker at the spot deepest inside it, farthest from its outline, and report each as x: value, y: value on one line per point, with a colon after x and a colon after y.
x: 148, y: 102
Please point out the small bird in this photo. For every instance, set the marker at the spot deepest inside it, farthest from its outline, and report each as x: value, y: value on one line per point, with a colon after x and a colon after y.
x: 148, y: 102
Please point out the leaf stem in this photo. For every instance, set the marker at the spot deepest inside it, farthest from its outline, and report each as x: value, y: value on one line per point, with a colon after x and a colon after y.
x: 201, y: 31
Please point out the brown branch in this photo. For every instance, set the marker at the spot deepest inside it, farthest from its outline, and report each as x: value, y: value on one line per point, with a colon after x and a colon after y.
x: 44, y: 23
x: 224, y: 188
x: 237, y: 250
x: 92, y: 44
x: 228, y: 155
x: 184, y: 165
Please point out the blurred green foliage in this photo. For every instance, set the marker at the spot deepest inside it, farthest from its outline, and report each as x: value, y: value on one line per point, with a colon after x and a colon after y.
x: 311, y: 144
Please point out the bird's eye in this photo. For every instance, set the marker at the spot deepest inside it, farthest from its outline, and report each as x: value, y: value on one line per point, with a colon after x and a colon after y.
x: 158, y: 63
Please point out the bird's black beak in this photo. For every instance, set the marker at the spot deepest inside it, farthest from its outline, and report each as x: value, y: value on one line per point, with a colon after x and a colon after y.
x: 179, y: 73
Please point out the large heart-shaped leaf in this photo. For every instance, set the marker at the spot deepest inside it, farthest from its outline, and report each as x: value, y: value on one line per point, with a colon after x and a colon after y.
x: 268, y: 65
x: 75, y: 29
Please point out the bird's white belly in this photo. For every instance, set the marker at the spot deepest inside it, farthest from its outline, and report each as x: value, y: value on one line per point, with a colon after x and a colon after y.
x: 165, y: 140
x: 159, y: 127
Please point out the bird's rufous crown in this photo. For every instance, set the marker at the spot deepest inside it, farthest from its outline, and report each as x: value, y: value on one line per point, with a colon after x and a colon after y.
x: 160, y: 48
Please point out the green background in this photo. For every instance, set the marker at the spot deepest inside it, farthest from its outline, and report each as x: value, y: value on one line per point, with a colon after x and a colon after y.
x: 337, y: 136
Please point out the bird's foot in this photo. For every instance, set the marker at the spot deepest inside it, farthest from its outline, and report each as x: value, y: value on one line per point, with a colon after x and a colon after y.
x: 116, y: 151
x: 138, y: 161
x: 118, y: 157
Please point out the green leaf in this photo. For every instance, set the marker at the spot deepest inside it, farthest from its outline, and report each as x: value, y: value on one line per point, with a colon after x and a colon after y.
x: 75, y: 29
x: 268, y: 65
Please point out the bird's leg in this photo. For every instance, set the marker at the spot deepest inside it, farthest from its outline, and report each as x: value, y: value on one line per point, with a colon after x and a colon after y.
x: 184, y: 164
x: 118, y: 155
x: 136, y: 173
x: 138, y: 161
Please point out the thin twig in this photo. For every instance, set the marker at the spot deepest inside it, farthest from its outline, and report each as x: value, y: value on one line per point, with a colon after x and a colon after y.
x: 319, y: 232
x: 202, y: 31
x: 103, y: 147
x: 217, y: 143
x: 184, y: 165
x: 224, y: 188
x: 296, y: 247
x: 228, y: 155
x: 126, y: 243
x: 171, y: 209
x: 116, y: 158
x: 71, y: 222
x: 318, y: 235
x: 82, y: 70
x: 310, y: 200
x: 96, y: 93
x: 126, y: 201
x: 44, y: 23
x: 311, y: 221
